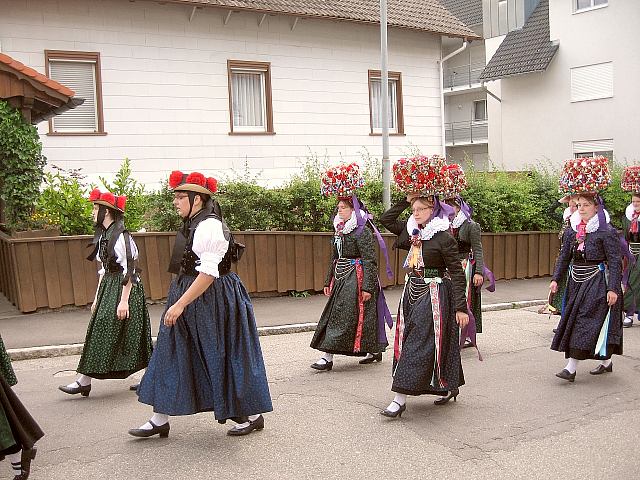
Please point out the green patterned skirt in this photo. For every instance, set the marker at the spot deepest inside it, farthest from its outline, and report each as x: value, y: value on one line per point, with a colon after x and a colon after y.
x: 116, y: 348
x: 6, y: 370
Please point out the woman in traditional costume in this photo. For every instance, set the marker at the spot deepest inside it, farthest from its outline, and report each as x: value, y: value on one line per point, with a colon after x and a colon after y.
x: 631, y: 183
x: 208, y: 356
x: 118, y: 340
x: 18, y: 430
x: 353, y: 320
x: 591, y: 322
x: 433, y: 305
x: 468, y: 236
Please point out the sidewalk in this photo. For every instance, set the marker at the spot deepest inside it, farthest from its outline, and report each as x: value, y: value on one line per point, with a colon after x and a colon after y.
x: 68, y: 326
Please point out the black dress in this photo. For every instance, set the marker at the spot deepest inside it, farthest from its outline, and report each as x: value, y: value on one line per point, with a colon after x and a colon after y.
x: 427, y: 348
x: 585, y: 309
x: 347, y: 327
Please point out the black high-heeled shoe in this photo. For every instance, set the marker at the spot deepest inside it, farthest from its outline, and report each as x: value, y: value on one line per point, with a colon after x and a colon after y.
x: 326, y: 365
x: 257, y: 424
x: 566, y: 375
x: 162, y: 430
x: 81, y: 389
x: 377, y: 357
x: 391, y: 414
x: 600, y: 369
x: 444, y: 400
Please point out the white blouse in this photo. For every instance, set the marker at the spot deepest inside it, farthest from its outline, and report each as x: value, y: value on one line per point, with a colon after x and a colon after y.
x: 121, y: 253
x: 209, y: 245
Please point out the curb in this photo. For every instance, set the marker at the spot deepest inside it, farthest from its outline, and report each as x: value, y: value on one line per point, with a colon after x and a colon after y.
x: 47, y: 351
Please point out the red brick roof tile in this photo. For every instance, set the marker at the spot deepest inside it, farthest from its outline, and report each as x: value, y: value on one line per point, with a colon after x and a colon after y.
x: 35, y: 75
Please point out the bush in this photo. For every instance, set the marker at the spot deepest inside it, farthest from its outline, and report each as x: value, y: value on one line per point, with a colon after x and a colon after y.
x: 21, y: 167
x: 124, y: 184
x: 160, y: 214
x: 63, y: 202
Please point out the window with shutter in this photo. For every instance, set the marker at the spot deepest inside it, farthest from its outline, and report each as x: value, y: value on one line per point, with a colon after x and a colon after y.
x: 396, y: 121
x: 593, y: 148
x: 80, y: 71
x: 250, y: 107
x: 591, y: 82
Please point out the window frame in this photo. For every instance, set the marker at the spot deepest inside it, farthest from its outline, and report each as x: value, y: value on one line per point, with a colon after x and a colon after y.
x: 591, y: 7
x: 486, y: 115
x: 89, y: 57
x: 397, y: 78
x: 265, y: 69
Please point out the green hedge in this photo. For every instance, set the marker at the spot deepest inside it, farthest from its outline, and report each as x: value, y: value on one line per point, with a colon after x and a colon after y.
x: 502, y: 201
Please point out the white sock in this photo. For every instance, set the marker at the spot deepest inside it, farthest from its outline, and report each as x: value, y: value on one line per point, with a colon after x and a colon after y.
x: 369, y: 355
x: 16, y: 462
x: 399, y: 400
x: 158, y: 419
x: 252, y: 418
x: 572, y: 365
x: 328, y: 357
x: 606, y: 363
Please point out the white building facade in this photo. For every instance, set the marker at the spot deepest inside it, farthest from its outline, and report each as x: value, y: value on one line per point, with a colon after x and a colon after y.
x: 171, y: 87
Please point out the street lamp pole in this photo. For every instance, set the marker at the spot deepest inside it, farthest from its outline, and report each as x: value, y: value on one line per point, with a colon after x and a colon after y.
x: 384, y: 117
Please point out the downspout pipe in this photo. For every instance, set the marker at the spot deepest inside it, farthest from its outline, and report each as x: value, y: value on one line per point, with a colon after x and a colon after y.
x: 464, y: 46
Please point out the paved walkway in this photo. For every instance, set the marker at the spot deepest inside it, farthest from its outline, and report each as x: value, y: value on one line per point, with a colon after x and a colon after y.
x: 69, y: 325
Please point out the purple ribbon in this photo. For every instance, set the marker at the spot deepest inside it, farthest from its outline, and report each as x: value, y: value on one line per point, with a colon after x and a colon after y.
x: 359, y: 219
x: 470, y: 332
x: 362, y: 222
x: 465, y: 207
x: 492, y: 280
x: 441, y: 209
x: 384, y: 315
x: 602, y: 220
x: 631, y: 261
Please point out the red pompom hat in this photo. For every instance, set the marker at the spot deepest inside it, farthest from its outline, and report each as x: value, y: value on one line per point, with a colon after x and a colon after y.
x: 108, y: 199
x: 192, y: 182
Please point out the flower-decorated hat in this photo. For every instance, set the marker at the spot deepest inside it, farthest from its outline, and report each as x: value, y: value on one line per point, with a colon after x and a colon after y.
x: 421, y: 175
x: 192, y: 182
x: 454, y: 181
x: 341, y: 181
x: 584, y: 175
x: 108, y: 199
x: 631, y: 179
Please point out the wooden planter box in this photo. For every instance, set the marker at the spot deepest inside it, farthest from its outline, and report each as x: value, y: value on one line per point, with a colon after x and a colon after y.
x: 52, y: 272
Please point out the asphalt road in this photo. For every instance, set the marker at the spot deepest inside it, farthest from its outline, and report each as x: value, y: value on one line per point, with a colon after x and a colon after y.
x: 513, y: 420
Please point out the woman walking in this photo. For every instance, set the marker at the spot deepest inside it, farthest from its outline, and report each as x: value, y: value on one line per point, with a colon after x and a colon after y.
x: 208, y: 356
x: 352, y: 322
x: 631, y: 301
x: 433, y: 306
x: 18, y: 430
x: 118, y: 340
x: 591, y: 322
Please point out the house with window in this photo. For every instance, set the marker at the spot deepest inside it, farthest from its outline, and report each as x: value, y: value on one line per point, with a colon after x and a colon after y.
x: 223, y: 85
x: 562, y: 82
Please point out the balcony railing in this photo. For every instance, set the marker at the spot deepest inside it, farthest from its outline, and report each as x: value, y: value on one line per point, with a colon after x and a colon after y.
x: 463, y: 75
x: 464, y: 133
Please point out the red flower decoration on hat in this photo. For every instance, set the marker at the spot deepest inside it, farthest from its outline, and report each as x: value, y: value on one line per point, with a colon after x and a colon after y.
x: 108, y: 197
x: 121, y: 201
x: 175, y: 178
x: 94, y: 195
x: 212, y: 184
x: 196, y: 178
x: 631, y: 179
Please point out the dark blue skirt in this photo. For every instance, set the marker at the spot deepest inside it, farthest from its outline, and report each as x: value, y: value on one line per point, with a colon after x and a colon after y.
x: 211, y: 359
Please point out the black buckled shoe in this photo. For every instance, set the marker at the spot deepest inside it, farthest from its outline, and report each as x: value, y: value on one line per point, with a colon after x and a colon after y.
x: 391, y: 414
x: 377, y: 357
x: 162, y: 430
x: 320, y: 365
x: 257, y: 424
x: 600, y: 369
x: 565, y: 375
x: 26, y: 457
x: 81, y: 389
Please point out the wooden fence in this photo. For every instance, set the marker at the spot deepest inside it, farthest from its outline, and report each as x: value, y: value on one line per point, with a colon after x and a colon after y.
x: 52, y: 272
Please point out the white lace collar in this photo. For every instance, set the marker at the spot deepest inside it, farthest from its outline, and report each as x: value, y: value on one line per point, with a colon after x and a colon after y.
x: 566, y: 214
x: 434, y: 226
x: 629, y: 212
x: 592, y: 225
x: 459, y: 220
x: 350, y: 224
